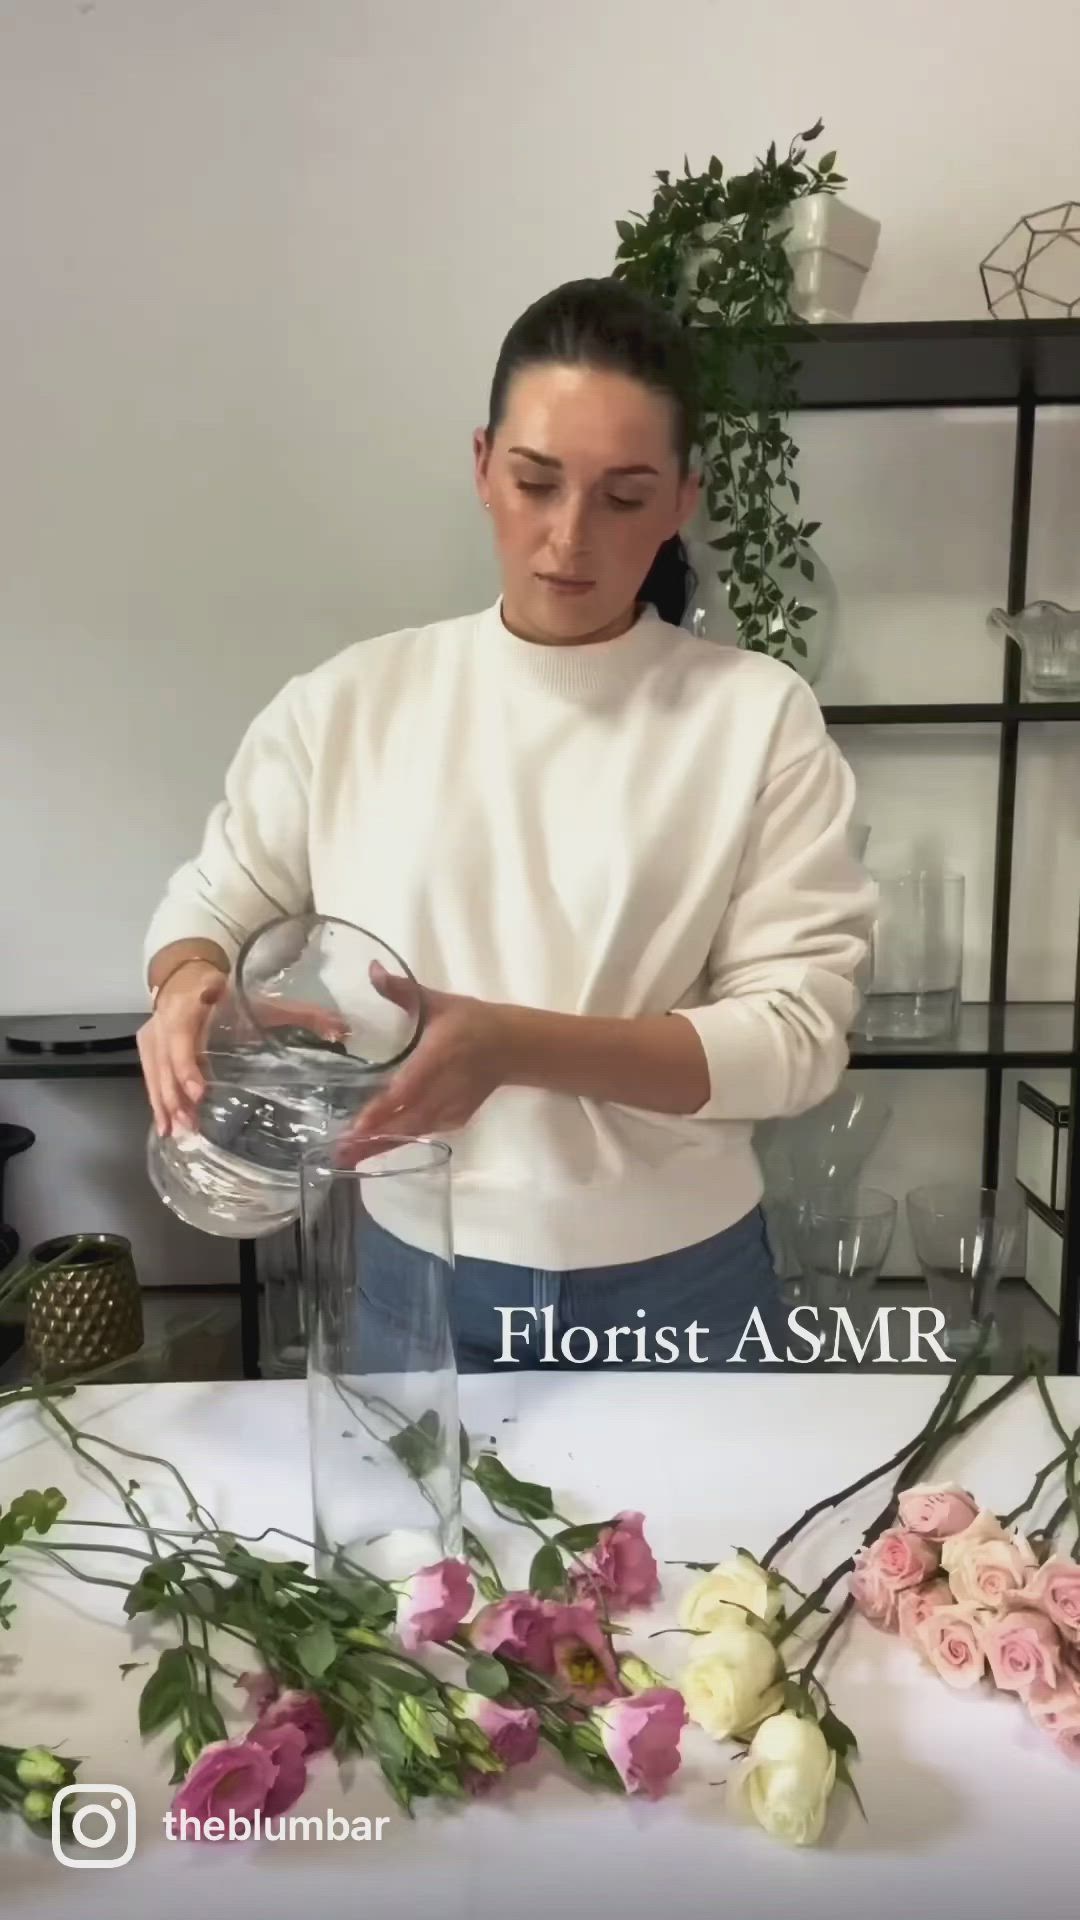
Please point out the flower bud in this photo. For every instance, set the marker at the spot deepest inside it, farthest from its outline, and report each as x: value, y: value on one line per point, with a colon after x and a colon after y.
x: 37, y: 1767
x: 637, y: 1674
x: 37, y: 1805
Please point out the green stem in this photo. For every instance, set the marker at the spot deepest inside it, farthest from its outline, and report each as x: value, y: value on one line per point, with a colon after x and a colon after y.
x: 917, y: 1465
x: 1069, y: 1442
x: 835, y: 1499
x: 836, y: 1621
x: 196, y: 1510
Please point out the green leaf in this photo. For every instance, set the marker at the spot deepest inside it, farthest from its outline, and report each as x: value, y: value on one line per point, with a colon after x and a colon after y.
x: 484, y: 1674
x: 547, y: 1574
x: 415, y: 1723
x: 838, y: 1736
x: 806, y: 568
x: 624, y: 230
x: 316, y: 1649
x: 129, y: 1666
x: 165, y: 1691
x: 463, y: 1444
x: 391, y: 1743
x: 798, y: 645
x: 533, y: 1502
x: 393, y: 1674
x: 827, y: 163
x: 814, y: 133
x: 580, y: 1539
x: 419, y: 1446
x: 843, y: 1773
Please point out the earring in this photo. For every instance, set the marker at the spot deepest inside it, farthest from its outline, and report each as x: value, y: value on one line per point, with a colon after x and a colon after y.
x: 487, y: 506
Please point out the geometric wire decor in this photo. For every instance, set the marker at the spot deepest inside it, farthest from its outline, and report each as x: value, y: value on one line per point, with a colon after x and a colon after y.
x: 1034, y: 273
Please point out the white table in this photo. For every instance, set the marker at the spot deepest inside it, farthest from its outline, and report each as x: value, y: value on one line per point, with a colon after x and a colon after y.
x: 970, y: 1810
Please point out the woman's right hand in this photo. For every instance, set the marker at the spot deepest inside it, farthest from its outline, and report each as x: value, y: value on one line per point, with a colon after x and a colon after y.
x: 171, y: 1041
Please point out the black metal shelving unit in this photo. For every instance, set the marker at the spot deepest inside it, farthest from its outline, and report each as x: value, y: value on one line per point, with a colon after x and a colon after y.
x: 952, y: 365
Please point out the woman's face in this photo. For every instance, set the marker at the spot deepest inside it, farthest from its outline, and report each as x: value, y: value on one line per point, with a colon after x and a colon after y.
x: 583, y: 482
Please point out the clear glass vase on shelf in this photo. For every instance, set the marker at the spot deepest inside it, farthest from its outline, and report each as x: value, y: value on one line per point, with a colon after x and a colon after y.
x: 292, y: 1052
x: 382, y: 1378
x: 963, y: 1237
x: 817, y: 1156
x: 910, y: 981
x: 844, y: 1242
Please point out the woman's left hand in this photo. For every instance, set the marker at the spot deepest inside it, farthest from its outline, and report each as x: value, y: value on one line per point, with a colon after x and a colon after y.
x: 459, y: 1060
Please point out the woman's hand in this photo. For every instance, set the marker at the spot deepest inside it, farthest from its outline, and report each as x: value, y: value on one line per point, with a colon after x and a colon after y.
x: 171, y: 1040
x: 460, y: 1059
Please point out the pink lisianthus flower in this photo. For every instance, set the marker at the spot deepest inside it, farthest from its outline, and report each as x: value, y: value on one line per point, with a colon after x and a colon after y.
x: 582, y: 1654
x: 514, y: 1732
x: 641, y: 1738
x: 434, y: 1604
x: 302, y: 1710
x: 517, y: 1627
x: 936, y: 1511
x: 621, y: 1567
x: 260, y: 1687
x: 1023, y: 1650
x: 285, y: 1745
x: 244, y: 1777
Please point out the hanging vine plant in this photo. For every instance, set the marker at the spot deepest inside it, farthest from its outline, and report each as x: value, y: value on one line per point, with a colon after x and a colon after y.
x: 712, y: 250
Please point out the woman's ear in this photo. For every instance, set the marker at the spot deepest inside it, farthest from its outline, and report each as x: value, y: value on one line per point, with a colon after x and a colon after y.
x: 481, y: 461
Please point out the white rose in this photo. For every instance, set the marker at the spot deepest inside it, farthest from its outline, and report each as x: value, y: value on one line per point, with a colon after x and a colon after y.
x: 736, y: 1583
x: 732, y: 1680
x: 787, y: 1777
x: 985, y: 1526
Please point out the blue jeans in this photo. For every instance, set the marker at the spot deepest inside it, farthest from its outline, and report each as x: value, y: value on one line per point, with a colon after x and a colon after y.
x: 638, y: 1315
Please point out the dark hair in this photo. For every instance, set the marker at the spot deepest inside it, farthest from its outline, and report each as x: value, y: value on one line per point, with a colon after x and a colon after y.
x: 609, y: 325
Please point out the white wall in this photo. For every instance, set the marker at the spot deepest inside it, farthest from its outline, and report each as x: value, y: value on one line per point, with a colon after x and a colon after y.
x: 258, y: 259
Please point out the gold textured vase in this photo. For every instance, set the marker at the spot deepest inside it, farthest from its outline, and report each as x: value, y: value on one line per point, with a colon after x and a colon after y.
x: 87, y: 1310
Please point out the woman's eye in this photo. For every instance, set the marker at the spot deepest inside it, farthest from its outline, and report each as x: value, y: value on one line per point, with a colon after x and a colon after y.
x: 535, y: 486
x: 624, y: 506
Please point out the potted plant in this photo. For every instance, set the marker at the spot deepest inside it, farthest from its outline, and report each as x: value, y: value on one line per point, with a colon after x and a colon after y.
x: 714, y: 249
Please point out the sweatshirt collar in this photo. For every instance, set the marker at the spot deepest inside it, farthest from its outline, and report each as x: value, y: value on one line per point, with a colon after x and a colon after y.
x: 575, y: 668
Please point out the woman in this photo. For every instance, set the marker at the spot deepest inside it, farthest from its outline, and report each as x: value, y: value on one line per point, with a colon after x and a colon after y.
x: 615, y: 856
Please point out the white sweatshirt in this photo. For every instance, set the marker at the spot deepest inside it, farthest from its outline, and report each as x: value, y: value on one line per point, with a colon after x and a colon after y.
x: 646, y: 824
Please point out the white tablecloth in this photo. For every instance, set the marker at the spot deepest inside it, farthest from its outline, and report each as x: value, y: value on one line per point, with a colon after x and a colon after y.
x: 970, y: 1810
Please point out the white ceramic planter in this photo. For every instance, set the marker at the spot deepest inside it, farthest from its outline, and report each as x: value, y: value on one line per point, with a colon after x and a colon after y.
x: 831, y: 247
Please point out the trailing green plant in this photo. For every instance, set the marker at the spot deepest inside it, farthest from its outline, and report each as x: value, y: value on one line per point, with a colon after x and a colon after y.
x: 712, y: 250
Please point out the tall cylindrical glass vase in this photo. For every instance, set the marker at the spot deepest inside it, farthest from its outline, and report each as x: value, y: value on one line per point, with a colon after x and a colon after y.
x: 377, y: 1245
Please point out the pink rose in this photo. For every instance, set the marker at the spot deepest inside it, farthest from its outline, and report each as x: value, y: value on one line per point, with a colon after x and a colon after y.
x: 985, y: 1526
x: 1023, y: 1650
x: 621, y: 1566
x: 302, y: 1710
x: 936, y: 1511
x: 1055, y: 1591
x: 434, y: 1603
x: 876, y: 1601
x: 949, y: 1639
x: 582, y: 1654
x: 514, y: 1732
x: 915, y: 1603
x: 244, y: 1777
x: 260, y: 1687
x: 518, y: 1627
x: 1056, y: 1710
x: 641, y: 1738
x: 903, y: 1559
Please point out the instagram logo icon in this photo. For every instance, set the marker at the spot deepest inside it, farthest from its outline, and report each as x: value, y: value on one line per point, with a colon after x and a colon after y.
x: 106, y: 1821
